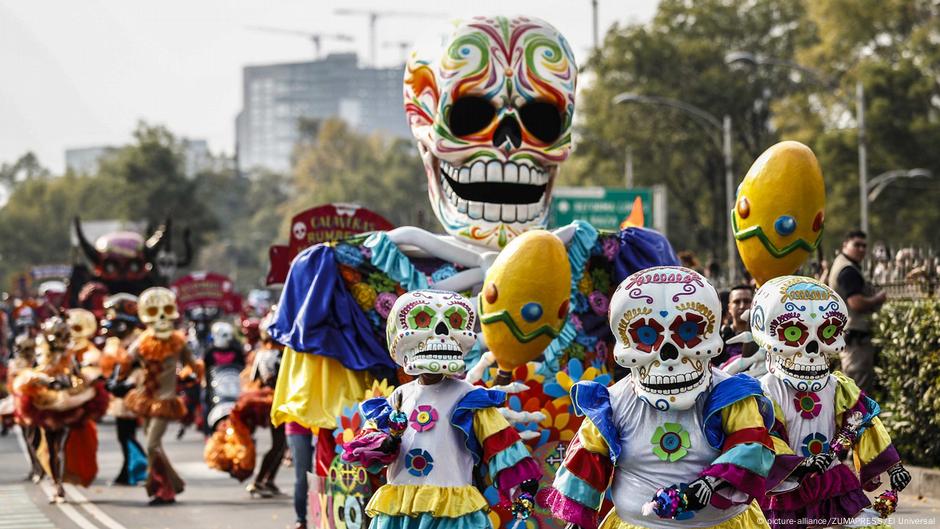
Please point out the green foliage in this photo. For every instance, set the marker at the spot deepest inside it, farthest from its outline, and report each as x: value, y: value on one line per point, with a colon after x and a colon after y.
x: 336, y: 164
x: 909, y: 334
x: 888, y: 45
x: 143, y: 181
x: 681, y: 55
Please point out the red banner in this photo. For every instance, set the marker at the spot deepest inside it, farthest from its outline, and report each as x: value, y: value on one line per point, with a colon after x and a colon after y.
x: 206, y: 289
x: 329, y: 222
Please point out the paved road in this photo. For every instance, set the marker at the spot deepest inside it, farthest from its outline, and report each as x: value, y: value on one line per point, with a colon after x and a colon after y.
x: 212, y: 500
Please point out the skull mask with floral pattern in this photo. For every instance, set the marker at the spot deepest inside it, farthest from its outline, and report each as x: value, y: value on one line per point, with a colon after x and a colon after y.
x: 430, y: 331
x: 798, y: 322
x: 493, y: 123
x: 665, y: 322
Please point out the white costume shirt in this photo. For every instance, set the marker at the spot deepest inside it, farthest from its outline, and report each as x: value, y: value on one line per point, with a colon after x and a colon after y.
x: 438, y: 444
x: 640, y: 472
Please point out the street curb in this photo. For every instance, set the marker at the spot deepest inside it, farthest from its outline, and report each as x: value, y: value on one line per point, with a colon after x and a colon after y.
x: 924, y: 482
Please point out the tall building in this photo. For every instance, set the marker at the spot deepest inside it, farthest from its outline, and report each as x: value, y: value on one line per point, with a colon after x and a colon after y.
x: 85, y: 160
x: 196, y: 157
x: 276, y: 96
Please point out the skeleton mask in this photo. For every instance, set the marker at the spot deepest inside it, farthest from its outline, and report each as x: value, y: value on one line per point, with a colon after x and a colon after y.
x: 430, y: 331
x: 493, y: 123
x: 157, y: 310
x: 82, y: 324
x: 665, y: 322
x: 223, y: 333
x: 53, y: 340
x: 799, y: 322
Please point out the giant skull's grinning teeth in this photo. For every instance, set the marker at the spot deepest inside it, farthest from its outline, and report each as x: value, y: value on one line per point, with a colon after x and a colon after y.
x: 520, y: 189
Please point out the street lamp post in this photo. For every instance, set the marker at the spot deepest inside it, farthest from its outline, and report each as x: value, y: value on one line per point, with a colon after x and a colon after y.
x: 859, y: 102
x: 877, y: 184
x: 723, y: 127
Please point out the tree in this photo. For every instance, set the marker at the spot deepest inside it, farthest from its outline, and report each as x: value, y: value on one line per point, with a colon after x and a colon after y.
x: 143, y: 181
x: 380, y: 173
x: 680, y: 54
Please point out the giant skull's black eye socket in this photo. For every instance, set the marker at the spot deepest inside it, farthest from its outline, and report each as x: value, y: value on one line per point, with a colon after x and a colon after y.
x: 542, y: 120
x: 470, y: 114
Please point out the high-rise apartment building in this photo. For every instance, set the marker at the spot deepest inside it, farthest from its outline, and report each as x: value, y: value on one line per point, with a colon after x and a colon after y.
x: 276, y: 96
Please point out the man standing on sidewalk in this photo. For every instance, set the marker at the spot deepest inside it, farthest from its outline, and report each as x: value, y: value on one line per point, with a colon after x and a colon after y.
x: 845, y: 277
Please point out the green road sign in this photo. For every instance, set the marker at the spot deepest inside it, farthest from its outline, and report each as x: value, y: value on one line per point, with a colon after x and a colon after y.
x: 602, y: 207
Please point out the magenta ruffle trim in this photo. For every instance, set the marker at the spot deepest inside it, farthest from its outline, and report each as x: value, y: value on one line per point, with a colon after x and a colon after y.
x: 882, y: 462
x: 784, y: 465
x: 517, y: 474
x: 567, y: 509
x: 744, y: 480
x: 834, y: 510
x: 832, y: 493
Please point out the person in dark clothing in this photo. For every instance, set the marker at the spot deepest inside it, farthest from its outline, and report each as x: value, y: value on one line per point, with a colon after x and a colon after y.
x: 739, y: 303
x: 846, y: 278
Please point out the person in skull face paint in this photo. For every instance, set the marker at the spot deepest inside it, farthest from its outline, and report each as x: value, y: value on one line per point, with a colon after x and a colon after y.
x: 160, y: 349
x: 432, y: 432
x: 676, y: 427
x: 799, y: 322
x: 57, y: 399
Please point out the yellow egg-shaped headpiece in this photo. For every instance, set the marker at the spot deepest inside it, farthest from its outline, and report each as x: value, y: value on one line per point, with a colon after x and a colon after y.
x: 525, y: 298
x: 779, y: 212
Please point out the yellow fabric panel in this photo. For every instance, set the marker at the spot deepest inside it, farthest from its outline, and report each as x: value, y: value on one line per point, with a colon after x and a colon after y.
x: 412, y: 500
x: 312, y: 390
x: 874, y: 440
x: 781, y: 448
x: 847, y: 394
x: 741, y: 415
x: 752, y: 518
x: 487, y: 421
x: 591, y: 438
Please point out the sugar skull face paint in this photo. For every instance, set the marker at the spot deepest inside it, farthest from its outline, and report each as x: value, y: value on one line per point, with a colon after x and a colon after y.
x: 493, y: 122
x: 799, y: 322
x: 665, y: 322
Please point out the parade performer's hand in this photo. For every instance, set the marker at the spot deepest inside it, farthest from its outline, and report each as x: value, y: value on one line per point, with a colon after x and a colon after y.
x: 900, y: 477
x: 814, y: 464
x: 699, y: 493
x: 523, y: 503
x: 371, y: 448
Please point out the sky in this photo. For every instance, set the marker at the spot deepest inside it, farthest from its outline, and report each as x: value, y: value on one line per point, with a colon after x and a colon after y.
x: 80, y: 74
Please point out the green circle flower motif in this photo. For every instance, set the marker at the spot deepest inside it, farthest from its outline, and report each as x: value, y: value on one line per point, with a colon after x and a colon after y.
x: 671, y: 442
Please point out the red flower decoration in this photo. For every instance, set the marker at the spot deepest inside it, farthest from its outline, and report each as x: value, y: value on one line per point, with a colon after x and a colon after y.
x: 807, y: 403
x: 646, y: 334
x: 687, y: 330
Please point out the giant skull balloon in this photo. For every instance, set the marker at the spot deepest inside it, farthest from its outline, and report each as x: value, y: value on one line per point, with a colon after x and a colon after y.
x: 799, y: 322
x: 493, y: 122
x: 430, y: 331
x: 665, y: 322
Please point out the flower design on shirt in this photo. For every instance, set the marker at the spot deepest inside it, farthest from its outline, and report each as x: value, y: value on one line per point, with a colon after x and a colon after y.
x: 419, y: 462
x: 814, y: 443
x: 671, y: 442
x: 423, y: 418
x: 807, y: 403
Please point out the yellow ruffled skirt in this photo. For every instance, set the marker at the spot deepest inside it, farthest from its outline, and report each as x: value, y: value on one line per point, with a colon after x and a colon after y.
x: 312, y: 390
x: 752, y: 518
x: 413, y: 500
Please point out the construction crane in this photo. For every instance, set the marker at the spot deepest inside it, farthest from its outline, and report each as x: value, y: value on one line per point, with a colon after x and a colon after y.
x: 402, y: 45
x: 316, y: 38
x: 375, y: 15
